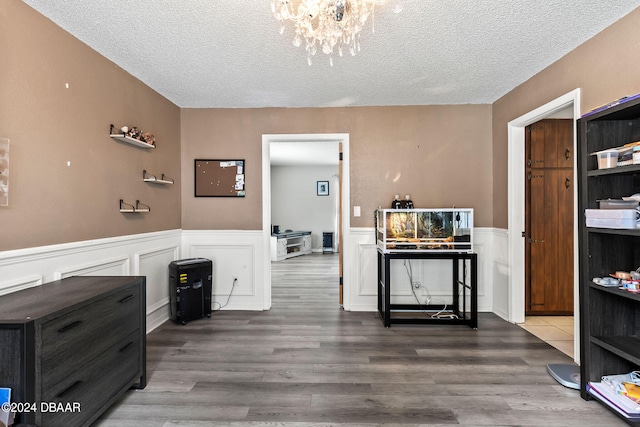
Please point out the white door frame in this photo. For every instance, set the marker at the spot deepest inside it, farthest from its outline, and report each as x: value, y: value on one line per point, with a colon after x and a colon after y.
x: 516, y: 194
x: 267, y: 139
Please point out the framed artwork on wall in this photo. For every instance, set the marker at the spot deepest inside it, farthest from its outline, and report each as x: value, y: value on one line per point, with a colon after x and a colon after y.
x: 322, y: 188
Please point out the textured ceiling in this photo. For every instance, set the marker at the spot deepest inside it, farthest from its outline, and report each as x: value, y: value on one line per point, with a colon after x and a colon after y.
x: 230, y: 54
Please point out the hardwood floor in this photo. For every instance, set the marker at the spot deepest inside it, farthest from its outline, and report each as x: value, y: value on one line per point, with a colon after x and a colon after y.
x: 306, y: 362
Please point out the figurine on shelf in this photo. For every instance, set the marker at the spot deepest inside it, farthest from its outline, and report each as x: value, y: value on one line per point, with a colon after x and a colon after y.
x: 148, y: 138
x: 134, y: 133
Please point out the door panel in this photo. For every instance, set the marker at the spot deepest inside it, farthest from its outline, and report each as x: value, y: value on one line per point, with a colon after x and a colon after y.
x: 536, y: 238
x: 549, y: 218
x: 565, y: 239
x: 537, y: 151
x: 564, y: 134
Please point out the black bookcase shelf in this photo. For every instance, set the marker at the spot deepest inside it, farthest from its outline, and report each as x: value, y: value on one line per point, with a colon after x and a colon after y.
x: 620, y: 170
x: 622, y: 293
x: 615, y: 231
x: 609, y: 316
x: 623, y: 346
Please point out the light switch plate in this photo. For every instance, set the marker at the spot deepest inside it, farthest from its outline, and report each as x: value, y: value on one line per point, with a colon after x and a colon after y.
x: 356, y: 211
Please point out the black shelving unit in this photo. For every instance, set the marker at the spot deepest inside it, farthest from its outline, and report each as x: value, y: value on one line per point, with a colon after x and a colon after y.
x: 609, y: 317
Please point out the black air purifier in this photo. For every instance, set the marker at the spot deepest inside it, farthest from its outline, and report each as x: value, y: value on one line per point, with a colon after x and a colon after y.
x: 190, y: 283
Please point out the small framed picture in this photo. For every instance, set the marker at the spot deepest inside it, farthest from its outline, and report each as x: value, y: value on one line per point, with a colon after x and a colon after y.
x: 323, y: 188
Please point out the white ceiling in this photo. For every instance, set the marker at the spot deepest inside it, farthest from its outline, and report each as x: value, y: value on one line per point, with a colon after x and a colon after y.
x: 230, y: 54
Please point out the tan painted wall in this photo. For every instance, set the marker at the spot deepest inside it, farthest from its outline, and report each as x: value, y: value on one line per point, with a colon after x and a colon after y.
x: 605, y: 68
x: 50, y: 125
x: 440, y: 155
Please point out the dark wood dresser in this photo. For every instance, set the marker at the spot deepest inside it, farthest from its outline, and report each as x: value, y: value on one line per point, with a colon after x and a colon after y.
x: 76, y: 343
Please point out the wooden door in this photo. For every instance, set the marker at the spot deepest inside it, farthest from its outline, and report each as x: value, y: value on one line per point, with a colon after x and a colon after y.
x: 549, y: 217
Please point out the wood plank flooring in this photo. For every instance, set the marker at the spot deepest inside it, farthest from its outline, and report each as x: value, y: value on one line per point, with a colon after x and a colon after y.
x: 306, y: 362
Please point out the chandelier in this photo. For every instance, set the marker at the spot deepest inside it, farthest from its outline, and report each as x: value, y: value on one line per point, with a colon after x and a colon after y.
x: 329, y: 25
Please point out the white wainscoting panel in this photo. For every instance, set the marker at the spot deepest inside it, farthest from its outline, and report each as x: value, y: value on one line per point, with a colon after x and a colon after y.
x: 432, y: 281
x: 483, y: 244
x: 110, y: 267
x: 6, y: 287
x: 235, y: 254
x: 154, y: 264
x: 500, y: 272
x: 364, y: 296
x: 147, y: 254
x: 239, y: 254
x: 368, y: 267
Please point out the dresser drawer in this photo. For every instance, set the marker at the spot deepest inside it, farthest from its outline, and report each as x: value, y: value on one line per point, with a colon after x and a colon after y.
x: 94, y: 384
x: 73, y: 339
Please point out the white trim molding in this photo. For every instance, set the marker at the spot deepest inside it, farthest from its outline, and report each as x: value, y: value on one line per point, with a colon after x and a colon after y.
x: 236, y: 254
x: 147, y: 254
x: 342, y: 138
x: 237, y: 257
x: 516, y: 204
x: 119, y: 266
x: 7, y: 287
x: 364, y: 252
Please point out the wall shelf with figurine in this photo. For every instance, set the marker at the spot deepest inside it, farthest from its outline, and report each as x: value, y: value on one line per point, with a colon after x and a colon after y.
x: 137, y: 208
x: 132, y: 136
x: 147, y: 177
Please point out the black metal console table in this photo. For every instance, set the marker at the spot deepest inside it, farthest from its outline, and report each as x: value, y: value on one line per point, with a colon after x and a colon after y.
x: 465, y: 290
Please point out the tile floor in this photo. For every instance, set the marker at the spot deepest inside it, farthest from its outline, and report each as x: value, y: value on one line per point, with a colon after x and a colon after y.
x: 555, y: 330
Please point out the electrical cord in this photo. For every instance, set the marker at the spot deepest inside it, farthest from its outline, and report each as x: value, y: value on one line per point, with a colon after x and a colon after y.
x: 233, y: 285
x: 440, y: 314
x: 409, y: 270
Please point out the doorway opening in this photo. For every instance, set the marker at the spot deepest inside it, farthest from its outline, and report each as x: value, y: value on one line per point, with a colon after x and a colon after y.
x: 269, y: 142
x: 549, y: 230
x: 516, y: 194
x: 548, y: 216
